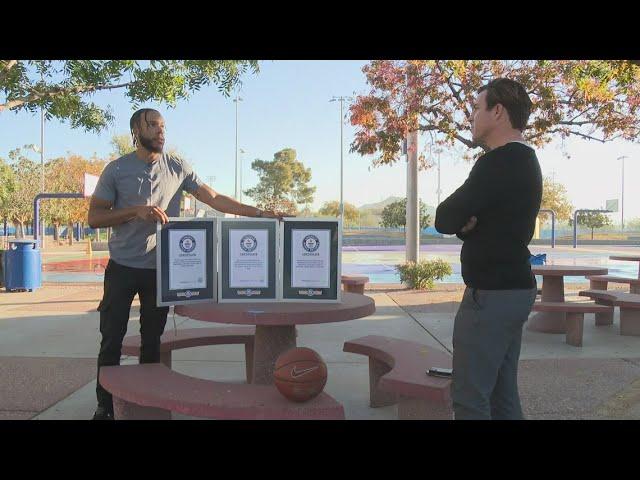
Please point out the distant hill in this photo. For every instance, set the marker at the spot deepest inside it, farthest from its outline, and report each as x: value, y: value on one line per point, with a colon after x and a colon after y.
x: 377, y: 207
x: 380, y: 205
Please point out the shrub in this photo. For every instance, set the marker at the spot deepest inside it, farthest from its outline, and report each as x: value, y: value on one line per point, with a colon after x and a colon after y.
x: 422, y: 274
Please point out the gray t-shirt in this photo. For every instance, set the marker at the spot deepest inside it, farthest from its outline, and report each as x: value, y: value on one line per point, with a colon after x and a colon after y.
x: 129, y: 181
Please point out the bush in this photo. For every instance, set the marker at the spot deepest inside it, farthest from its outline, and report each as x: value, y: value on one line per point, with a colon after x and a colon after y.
x: 422, y: 274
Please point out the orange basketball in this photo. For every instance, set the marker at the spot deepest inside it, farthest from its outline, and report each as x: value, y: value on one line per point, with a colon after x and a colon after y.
x: 300, y: 374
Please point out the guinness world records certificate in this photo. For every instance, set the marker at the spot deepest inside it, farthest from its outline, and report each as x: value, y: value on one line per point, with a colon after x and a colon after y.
x: 248, y: 259
x: 186, y: 261
x: 311, y: 259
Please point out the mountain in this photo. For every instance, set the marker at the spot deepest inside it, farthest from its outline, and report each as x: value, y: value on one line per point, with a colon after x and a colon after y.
x: 377, y: 207
x: 380, y: 205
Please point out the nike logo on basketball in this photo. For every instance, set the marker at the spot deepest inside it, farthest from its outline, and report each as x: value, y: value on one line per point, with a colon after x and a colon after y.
x: 295, y: 373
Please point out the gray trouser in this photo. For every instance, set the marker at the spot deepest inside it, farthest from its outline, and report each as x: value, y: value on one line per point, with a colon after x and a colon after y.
x: 486, y: 348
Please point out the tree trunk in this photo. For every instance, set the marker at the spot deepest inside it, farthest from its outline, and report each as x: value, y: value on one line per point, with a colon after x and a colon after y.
x: 19, y: 229
x: 56, y: 232
x: 70, y: 232
x: 592, y: 234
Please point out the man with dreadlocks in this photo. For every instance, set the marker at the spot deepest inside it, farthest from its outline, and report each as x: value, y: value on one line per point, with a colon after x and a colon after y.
x: 133, y: 193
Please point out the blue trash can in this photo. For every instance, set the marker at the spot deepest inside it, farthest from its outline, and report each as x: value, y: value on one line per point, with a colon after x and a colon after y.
x: 22, y: 266
x: 540, y: 259
x: 1, y: 267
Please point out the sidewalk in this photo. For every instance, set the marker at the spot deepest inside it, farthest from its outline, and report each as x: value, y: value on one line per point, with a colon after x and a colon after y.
x: 49, y: 342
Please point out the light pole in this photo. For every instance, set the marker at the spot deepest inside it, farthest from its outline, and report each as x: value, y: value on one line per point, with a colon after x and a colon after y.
x: 40, y: 150
x: 236, y: 100
x: 341, y: 99
x: 242, y: 152
x: 622, y: 202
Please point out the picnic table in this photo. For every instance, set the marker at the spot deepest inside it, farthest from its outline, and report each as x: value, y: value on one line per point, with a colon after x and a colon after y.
x: 628, y: 258
x: 276, y: 323
x: 553, y: 291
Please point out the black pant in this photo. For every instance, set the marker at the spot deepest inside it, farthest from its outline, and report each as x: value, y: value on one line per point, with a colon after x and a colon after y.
x: 120, y: 286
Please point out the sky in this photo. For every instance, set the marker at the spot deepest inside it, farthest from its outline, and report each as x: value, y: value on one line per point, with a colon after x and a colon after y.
x: 286, y: 105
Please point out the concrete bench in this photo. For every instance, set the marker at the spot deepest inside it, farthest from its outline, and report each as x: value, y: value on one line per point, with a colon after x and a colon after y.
x: 151, y: 391
x: 575, y: 316
x: 354, y: 283
x: 198, y: 337
x: 398, y: 374
x: 628, y: 303
x: 599, y: 282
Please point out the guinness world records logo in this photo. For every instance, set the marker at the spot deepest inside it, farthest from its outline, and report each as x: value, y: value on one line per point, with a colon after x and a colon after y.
x: 311, y: 243
x: 187, y: 244
x: 248, y: 243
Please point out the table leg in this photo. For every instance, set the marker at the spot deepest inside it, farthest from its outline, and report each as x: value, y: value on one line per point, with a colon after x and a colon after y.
x: 550, y: 322
x: 269, y: 343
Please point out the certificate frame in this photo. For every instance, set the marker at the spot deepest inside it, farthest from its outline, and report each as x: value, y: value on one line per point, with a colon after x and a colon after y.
x: 229, y: 294
x: 166, y: 296
x: 288, y: 293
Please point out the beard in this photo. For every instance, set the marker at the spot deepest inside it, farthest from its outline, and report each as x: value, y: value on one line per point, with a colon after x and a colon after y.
x: 149, y: 145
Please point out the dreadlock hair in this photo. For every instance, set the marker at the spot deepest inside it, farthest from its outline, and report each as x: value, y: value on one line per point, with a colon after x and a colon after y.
x: 136, y: 119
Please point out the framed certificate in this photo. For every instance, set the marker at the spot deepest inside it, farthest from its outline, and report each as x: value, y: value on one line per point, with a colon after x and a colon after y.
x: 248, y: 260
x: 186, y: 261
x: 311, y: 260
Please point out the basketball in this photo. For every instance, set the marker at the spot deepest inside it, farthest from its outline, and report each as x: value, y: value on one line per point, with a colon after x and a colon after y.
x: 300, y: 374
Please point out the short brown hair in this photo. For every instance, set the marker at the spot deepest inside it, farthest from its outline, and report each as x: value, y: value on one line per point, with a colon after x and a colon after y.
x: 513, y: 97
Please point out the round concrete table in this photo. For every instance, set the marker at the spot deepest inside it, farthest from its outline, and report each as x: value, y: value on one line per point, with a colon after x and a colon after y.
x: 553, y: 291
x: 276, y: 323
x: 628, y: 258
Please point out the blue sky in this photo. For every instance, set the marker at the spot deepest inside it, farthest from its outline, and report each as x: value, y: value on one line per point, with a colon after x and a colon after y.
x: 287, y: 105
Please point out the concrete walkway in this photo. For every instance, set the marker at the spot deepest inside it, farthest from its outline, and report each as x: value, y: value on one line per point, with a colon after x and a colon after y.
x: 49, y: 342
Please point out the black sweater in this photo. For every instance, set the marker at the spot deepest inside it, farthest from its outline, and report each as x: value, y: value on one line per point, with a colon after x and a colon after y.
x: 503, y: 191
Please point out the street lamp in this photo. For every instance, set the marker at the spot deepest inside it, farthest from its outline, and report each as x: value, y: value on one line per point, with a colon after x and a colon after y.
x: 40, y: 150
x: 242, y: 152
x: 236, y: 100
x: 341, y: 100
x: 622, y: 207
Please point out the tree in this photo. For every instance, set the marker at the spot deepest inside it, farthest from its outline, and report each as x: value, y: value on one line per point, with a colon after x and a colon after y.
x: 332, y: 209
x: 7, y: 187
x: 66, y: 175
x: 633, y: 224
x: 122, y: 145
x: 63, y: 88
x: 592, y: 220
x: 595, y: 100
x: 283, y: 183
x: 26, y: 175
x: 554, y: 197
x: 395, y: 215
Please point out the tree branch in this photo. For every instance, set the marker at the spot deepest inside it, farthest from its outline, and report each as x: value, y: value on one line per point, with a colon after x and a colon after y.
x: 456, y: 93
x: 589, y: 137
x: 577, y: 124
x: 57, y: 91
x: 468, y: 143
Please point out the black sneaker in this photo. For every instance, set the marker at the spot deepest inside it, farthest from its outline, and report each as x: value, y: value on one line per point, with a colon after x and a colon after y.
x: 102, y: 414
